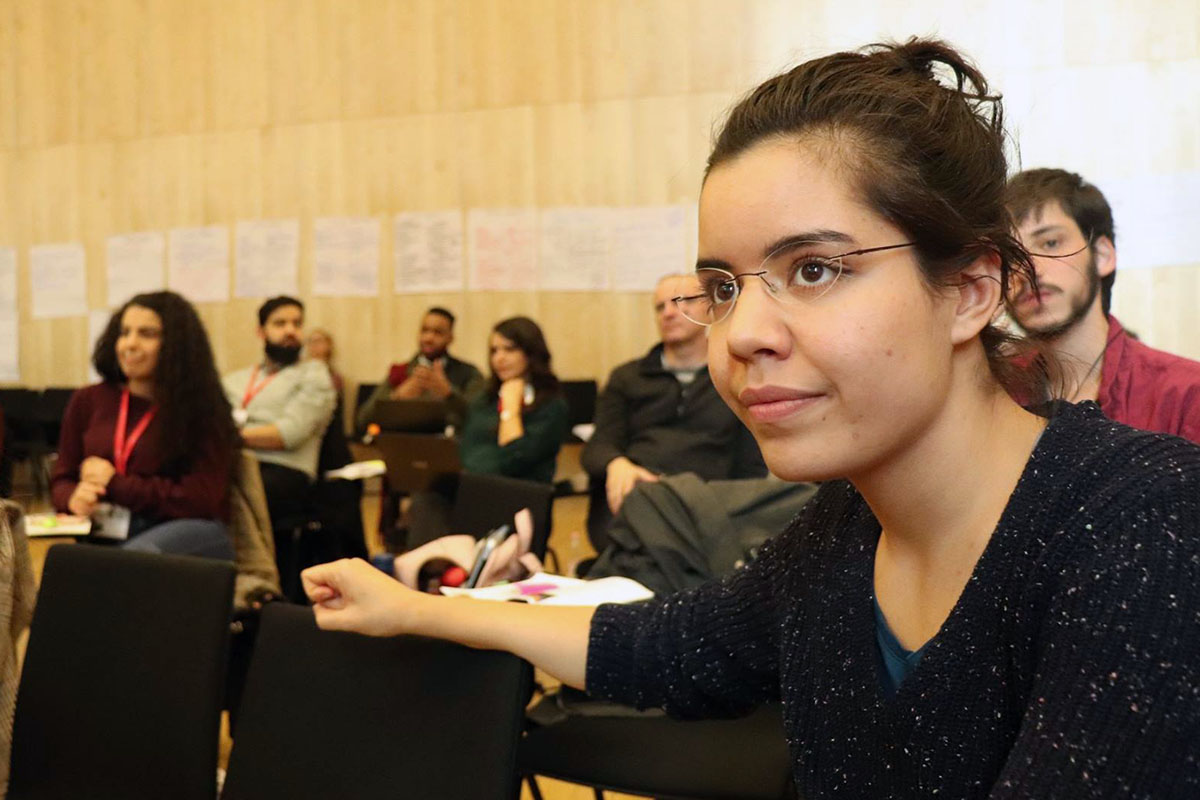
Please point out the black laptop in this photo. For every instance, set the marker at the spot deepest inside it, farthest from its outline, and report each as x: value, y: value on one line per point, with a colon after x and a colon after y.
x: 418, y: 461
x: 410, y: 416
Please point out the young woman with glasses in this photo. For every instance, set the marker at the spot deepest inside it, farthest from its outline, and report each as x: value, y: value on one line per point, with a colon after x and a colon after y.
x: 979, y: 602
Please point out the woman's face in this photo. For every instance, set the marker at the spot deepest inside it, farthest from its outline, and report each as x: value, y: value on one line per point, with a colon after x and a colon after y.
x: 844, y: 381
x: 138, y: 342
x: 319, y: 346
x: 508, y: 360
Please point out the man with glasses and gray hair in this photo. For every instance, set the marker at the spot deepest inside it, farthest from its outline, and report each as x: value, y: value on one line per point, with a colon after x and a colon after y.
x: 1067, y: 226
x: 660, y: 415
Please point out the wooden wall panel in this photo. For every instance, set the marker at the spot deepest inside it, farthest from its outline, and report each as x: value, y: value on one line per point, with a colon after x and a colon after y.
x: 126, y: 115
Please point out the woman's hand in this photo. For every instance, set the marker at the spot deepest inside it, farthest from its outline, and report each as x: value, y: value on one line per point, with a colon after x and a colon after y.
x: 352, y: 595
x: 96, y: 470
x: 512, y: 395
x: 85, y: 498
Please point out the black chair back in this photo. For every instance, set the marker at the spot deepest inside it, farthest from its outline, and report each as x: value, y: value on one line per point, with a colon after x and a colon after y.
x: 121, y: 691
x: 341, y: 715
x: 581, y: 403
x: 482, y: 502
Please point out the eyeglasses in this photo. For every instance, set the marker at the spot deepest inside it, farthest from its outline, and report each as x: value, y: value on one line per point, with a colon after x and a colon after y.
x: 794, y: 279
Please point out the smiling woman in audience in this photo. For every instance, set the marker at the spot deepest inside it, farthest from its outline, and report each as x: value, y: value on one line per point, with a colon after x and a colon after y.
x: 148, y: 452
x: 979, y: 602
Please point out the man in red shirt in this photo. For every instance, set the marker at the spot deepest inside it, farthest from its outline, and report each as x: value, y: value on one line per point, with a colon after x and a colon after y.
x: 1067, y: 225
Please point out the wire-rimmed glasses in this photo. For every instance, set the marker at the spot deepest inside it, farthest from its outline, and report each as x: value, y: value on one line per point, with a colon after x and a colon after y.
x: 791, y: 277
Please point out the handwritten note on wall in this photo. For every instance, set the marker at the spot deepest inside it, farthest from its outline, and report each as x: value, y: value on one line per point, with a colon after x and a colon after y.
x: 427, y: 251
x: 268, y: 257
x: 10, y: 352
x: 574, y: 248
x: 502, y: 249
x: 647, y: 243
x: 59, y: 279
x: 198, y: 263
x: 135, y: 265
x: 346, y: 256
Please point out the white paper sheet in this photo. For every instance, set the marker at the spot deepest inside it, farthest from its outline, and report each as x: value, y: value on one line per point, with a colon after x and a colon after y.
x: 10, y: 347
x: 647, y: 243
x: 198, y: 263
x: 8, y: 280
x: 268, y: 258
x: 427, y: 252
x: 502, y: 249
x: 97, y: 322
x: 59, y: 277
x: 1155, y: 216
x: 574, y: 247
x: 135, y: 265
x: 346, y: 256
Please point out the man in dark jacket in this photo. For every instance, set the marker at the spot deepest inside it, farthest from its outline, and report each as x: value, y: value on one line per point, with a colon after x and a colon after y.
x: 431, y: 374
x: 660, y: 414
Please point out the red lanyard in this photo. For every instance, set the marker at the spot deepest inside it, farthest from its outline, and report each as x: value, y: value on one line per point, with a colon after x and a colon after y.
x: 122, y: 447
x: 252, y: 390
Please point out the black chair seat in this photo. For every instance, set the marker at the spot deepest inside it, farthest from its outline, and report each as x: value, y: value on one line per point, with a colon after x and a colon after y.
x: 741, y: 758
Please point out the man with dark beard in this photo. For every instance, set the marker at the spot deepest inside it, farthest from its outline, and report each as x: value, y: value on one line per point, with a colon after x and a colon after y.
x: 1067, y: 226
x: 282, y: 406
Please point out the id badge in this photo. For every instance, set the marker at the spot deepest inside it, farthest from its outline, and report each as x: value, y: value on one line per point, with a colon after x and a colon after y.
x: 240, y: 417
x: 111, y: 522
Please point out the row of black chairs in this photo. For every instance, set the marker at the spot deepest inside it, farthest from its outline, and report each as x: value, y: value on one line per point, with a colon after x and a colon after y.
x: 123, y: 681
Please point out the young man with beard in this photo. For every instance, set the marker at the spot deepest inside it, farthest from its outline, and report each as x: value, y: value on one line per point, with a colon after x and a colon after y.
x: 430, y: 374
x: 283, y: 406
x: 1067, y: 225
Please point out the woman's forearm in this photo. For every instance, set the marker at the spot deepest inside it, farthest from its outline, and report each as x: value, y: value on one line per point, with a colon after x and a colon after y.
x: 553, y: 638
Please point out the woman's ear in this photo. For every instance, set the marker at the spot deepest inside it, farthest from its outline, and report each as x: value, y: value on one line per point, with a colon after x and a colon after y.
x: 979, y: 297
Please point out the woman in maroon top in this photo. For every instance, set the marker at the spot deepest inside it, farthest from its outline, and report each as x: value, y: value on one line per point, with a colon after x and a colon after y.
x: 150, y: 450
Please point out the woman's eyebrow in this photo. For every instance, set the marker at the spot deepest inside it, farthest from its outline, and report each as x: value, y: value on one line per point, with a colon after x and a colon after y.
x: 819, y: 236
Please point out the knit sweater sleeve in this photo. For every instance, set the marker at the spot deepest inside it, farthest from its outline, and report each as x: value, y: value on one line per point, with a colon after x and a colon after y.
x: 708, y: 652
x: 1114, y: 708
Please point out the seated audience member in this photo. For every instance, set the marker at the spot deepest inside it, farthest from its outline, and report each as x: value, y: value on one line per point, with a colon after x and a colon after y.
x: 320, y: 348
x: 431, y: 374
x: 517, y: 423
x: 149, y: 451
x: 660, y: 415
x: 283, y: 406
x: 1067, y: 225
x: 979, y: 602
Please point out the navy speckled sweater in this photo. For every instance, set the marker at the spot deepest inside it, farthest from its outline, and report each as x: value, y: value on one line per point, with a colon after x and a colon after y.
x: 1070, y: 666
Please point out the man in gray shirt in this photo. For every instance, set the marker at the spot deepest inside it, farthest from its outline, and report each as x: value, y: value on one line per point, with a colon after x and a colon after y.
x: 283, y: 406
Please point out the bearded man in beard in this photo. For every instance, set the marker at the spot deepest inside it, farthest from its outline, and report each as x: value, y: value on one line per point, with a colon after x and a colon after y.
x: 282, y: 406
x: 1067, y: 226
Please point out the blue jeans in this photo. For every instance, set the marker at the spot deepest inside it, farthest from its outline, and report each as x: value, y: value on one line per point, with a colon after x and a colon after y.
x: 184, y: 537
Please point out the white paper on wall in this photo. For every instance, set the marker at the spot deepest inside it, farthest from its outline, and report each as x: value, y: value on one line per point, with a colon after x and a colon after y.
x: 427, y: 252
x: 1154, y: 216
x: 10, y: 347
x: 135, y: 265
x: 574, y: 246
x: 346, y: 256
x: 59, y: 279
x: 268, y: 258
x: 97, y: 322
x: 8, y: 280
x: 502, y: 249
x: 647, y: 243
x: 198, y: 263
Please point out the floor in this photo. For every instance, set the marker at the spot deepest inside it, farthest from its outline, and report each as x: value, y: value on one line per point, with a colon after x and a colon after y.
x: 567, y: 539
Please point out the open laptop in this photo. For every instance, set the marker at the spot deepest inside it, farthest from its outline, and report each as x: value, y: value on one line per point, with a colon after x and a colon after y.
x: 410, y: 416
x: 418, y: 461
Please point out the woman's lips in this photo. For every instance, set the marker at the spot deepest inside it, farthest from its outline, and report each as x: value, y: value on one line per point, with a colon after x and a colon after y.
x: 774, y: 403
